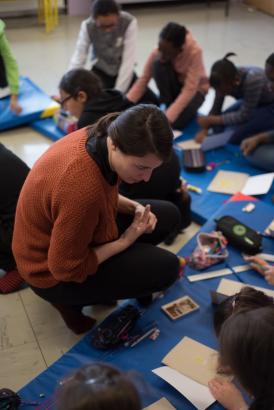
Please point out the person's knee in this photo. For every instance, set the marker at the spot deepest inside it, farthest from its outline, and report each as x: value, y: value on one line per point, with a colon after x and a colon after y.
x: 173, y: 216
x: 168, y: 269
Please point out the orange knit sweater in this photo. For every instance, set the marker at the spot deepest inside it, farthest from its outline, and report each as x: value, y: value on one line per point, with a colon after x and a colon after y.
x: 65, y: 208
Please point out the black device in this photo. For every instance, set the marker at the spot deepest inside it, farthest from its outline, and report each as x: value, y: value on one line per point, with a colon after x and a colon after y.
x: 240, y: 235
x: 194, y: 160
x: 115, y: 329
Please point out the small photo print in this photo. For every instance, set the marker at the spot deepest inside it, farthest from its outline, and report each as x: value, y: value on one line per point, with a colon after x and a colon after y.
x: 180, y: 307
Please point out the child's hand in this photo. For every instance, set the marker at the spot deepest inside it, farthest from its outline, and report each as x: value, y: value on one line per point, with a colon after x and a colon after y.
x: 248, y: 145
x: 258, y: 264
x: 269, y: 275
x: 227, y: 394
x: 183, y: 190
x: 204, y: 121
x: 200, y: 136
x: 14, y: 106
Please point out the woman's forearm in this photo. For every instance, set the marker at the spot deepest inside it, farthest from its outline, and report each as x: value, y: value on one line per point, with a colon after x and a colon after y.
x: 106, y: 251
x: 126, y: 205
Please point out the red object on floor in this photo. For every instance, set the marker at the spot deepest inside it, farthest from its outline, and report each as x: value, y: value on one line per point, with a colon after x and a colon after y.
x: 241, y: 197
x: 11, y: 282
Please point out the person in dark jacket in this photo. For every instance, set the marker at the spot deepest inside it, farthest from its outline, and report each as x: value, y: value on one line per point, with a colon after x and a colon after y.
x: 83, y: 96
x: 13, y: 172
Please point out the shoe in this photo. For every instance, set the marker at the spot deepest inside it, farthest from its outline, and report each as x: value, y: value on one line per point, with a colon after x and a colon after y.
x: 74, y: 318
x: 11, y: 282
x: 145, y: 301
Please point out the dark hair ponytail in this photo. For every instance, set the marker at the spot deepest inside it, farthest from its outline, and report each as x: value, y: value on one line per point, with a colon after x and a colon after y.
x: 223, y: 71
x: 174, y: 33
x: 100, y: 128
x: 138, y: 131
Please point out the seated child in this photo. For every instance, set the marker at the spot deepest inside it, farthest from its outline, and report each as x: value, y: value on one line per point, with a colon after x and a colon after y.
x: 9, y: 75
x: 83, y: 96
x: 259, y: 149
x: 254, y: 110
x: 247, y: 299
x: 98, y: 386
x: 247, y: 348
x: 13, y: 172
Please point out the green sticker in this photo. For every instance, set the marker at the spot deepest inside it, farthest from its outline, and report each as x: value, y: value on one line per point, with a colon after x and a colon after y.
x: 239, y: 230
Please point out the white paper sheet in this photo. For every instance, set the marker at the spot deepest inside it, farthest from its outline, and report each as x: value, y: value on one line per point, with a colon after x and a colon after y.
x: 230, y: 287
x: 189, y: 144
x: 196, y: 393
x: 259, y: 184
x: 177, y: 134
x: 216, y: 140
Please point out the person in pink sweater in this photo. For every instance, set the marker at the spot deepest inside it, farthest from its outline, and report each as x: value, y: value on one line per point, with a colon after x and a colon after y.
x: 177, y: 67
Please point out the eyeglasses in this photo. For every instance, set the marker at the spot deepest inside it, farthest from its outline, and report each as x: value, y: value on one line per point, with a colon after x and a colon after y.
x: 64, y: 100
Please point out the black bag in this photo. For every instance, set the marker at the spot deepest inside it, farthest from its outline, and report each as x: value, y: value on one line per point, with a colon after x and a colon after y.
x: 240, y: 235
x: 115, y: 329
x: 9, y: 400
x: 194, y: 160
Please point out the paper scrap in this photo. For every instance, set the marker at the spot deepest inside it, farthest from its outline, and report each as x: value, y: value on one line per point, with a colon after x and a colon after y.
x: 230, y: 287
x: 162, y: 404
x: 177, y: 134
x: 196, y: 393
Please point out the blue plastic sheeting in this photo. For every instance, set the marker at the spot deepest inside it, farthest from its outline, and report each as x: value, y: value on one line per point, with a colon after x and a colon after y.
x: 148, y: 354
x: 206, y: 204
x: 48, y: 128
x: 33, y: 101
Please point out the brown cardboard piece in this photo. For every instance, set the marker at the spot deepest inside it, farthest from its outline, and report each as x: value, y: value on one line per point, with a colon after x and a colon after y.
x: 162, y: 404
x: 228, y: 182
x: 194, y: 360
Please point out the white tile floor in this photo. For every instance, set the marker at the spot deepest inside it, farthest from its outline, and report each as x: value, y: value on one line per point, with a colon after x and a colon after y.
x: 32, y: 335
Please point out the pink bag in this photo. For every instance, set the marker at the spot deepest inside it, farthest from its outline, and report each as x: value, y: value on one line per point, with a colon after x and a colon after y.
x: 211, y: 249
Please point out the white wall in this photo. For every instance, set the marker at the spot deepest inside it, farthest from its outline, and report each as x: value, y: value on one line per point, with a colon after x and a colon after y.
x: 21, y: 6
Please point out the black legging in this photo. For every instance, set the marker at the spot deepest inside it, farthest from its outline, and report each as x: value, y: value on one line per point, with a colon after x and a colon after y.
x: 137, y: 272
x: 170, y: 87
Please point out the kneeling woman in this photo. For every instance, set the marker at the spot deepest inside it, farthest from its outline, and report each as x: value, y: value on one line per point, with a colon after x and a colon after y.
x: 77, y: 241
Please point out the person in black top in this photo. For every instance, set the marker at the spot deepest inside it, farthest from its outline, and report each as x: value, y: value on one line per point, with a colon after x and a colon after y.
x: 82, y: 95
x: 13, y: 172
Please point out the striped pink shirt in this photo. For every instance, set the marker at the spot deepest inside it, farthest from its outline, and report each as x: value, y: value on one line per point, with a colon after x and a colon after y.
x: 191, y: 72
